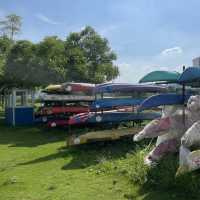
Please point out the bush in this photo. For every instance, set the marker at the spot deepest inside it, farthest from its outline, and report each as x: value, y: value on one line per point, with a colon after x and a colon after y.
x: 162, y: 176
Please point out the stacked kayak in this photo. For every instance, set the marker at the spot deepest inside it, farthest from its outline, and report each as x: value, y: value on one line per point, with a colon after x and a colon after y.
x: 122, y: 94
x: 105, y: 135
x: 80, y: 103
x: 162, y: 100
x: 62, y: 101
x: 119, y: 106
x: 125, y: 87
x: 110, y: 103
x: 70, y: 88
x: 111, y: 117
x: 110, y: 106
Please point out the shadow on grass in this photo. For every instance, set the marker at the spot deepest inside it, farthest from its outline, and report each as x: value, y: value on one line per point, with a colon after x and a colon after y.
x: 88, y: 155
x: 29, y: 136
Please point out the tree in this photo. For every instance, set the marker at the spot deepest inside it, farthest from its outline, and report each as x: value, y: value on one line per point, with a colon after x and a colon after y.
x: 19, y: 69
x: 76, y: 65
x: 91, y: 55
x: 84, y: 56
x: 11, y: 25
x: 5, y: 46
x: 51, y: 58
x: 31, y: 64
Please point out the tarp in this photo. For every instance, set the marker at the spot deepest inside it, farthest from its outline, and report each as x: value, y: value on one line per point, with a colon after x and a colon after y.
x: 160, y: 76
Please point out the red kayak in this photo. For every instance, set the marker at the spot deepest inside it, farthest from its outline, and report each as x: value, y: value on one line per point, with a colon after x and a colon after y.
x: 63, y: 109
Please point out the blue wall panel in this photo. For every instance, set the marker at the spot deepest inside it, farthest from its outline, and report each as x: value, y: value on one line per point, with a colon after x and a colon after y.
x: 9, y: 116
x: 24, y: 116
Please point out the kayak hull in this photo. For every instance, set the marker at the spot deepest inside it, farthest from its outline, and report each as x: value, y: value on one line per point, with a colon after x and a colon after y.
x: 110, y: 103
x: 161, y: 100
x: 120, y: 87
x: 62, y: 110
x: 105, y: 135
x: 111, y: 117
x: 191, y: 74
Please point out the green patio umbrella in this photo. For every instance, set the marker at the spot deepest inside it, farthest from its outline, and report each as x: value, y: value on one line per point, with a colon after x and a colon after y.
x: 160, y: 76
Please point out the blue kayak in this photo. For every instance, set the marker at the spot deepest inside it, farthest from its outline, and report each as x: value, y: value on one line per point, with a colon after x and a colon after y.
x: 191, y: 74
x: 162, y: 99
x: 110, y: 103
x: 117, y: 117
x: 125, y: 87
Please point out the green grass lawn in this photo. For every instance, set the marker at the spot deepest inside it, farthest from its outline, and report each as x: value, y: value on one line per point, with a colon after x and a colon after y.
x: 36, y: 165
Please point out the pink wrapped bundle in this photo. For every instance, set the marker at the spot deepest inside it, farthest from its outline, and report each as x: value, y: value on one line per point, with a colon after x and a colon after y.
x: 168, y: 146
x: 154, y: 128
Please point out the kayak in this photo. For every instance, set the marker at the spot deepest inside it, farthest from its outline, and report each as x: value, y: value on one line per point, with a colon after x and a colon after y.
x: 110, y: 103
x: 191, y: 74
x: 47, y: 118
x: 69, y: 98
x: 78, y: 87
x: 70, y: 88
x: 123, y: 87
x: 161, y: 100
x: 62, y: 110
x: 105, y: 135
x: 109, y: 117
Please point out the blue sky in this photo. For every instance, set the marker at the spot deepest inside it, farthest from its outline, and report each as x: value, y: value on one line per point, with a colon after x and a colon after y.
x: 146, y: 34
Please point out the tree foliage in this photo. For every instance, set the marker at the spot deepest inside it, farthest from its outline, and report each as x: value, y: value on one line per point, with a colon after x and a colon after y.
x: 5, y: 46
x: 84, y: 56
x: 91, y: 55
x: 50, y: 60
x: 36, y: 64
x: 19, y: 68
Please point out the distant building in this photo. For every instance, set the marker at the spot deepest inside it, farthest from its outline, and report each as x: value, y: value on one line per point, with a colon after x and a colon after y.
x: 196, y: 62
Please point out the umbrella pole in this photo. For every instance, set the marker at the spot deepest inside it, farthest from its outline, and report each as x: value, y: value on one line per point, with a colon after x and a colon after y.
x: 183, y: 96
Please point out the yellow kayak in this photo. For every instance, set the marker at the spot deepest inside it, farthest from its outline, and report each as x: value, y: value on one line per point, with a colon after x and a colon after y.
x: 113, y: 134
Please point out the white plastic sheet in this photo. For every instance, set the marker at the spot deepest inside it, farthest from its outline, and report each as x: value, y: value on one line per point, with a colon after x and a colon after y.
x: 192, y: 136
x: 188, y: 161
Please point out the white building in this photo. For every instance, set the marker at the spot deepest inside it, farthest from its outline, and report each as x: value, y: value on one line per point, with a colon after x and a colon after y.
x: 196, y: 62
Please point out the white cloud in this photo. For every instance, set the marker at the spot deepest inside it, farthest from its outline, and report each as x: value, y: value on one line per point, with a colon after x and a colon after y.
x: 46, y: 19
x: 172, y: 51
